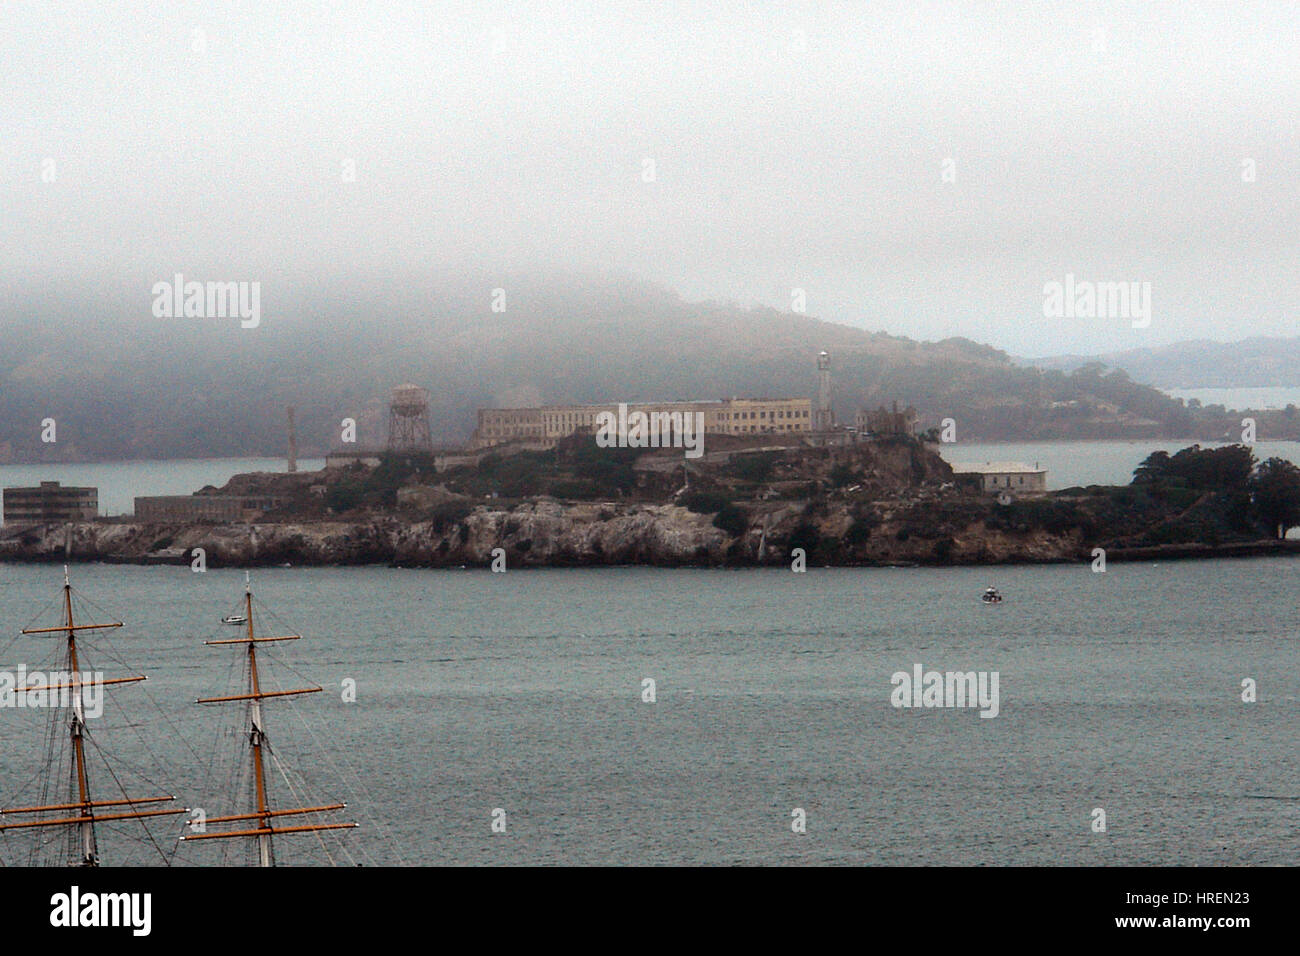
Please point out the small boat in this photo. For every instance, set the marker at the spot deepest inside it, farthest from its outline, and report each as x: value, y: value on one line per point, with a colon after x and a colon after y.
x: 991, y: 596
x: 234, y: 619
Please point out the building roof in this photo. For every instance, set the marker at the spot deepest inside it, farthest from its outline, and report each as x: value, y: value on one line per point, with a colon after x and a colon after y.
x: 996, y: 468
x: 692, y: 402
x: 46, y: 487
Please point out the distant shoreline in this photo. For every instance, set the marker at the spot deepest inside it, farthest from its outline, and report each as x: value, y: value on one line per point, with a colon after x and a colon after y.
x: 153, y: 461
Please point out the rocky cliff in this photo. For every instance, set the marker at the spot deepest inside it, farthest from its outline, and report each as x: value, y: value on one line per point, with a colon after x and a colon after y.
x: 548, y: 533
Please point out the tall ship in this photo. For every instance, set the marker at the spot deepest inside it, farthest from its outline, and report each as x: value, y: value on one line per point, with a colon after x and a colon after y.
x: 80, y: 790
x: 263, y: 821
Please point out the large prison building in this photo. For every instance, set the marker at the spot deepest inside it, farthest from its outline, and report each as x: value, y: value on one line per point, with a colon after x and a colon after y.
x: 548, y: 424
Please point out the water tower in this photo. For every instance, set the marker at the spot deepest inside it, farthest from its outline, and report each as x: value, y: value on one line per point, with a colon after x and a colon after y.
x: 408, y: 420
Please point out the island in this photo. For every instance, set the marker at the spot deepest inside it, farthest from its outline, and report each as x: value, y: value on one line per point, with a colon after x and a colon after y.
x: 751, y: 501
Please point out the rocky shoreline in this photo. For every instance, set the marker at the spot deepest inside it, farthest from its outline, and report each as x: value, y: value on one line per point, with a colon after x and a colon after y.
x: 549, y: 533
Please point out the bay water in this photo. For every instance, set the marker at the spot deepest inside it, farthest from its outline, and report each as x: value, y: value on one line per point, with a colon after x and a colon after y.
x: 521, y: 698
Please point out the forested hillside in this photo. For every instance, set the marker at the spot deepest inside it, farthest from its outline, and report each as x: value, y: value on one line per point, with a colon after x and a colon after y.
x: 121, y: 383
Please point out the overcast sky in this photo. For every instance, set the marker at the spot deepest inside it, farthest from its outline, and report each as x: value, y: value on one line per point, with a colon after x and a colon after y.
x: 793, y: 146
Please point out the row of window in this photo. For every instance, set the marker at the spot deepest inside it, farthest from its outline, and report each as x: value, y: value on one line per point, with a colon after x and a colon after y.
x: 788, y: 413
x: 589, y: 418
x: 508, y: 432
x: 733, y: 428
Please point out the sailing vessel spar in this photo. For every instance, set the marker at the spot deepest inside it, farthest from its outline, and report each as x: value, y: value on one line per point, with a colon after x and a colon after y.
x: 264, y: 817
x: 81, y: 812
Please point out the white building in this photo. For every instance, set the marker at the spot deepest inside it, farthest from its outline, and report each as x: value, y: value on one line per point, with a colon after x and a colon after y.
x: 999, y: 476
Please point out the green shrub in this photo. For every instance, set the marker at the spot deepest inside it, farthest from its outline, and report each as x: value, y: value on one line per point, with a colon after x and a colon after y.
x: 805, y: 535
x: 609, y: 469
x: 344, y: 496
x: 731, y: 519
x: 843, y: 474
x: 447, y: 513
x: 753, y: 467
x: 578, y: 490
x: 703, y: 502
x: 860, y: 530
x: 799, y: 491
x: 1047, y: 514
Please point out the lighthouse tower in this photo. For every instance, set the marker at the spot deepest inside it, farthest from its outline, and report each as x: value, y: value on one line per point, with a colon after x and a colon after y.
x: 823, y: 417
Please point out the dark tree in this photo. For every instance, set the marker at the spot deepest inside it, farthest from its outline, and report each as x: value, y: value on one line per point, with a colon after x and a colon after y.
x: 753, y: 467
x: 1275, y: 492
x: 732, y: 520
x: 842, y: 474
x: 1153, y: 468
x: 1210, y: 469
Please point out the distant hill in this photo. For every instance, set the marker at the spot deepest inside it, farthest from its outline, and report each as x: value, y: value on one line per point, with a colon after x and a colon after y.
x: 122, y: 384
x: 1250, y: 363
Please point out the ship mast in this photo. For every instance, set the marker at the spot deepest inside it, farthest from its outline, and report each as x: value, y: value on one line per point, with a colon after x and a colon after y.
x: 265, y: 827
x: 85, y: 806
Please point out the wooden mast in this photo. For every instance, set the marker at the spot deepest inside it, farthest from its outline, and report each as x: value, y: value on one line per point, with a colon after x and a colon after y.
x: 86, y: 829
x: 264, y: 829
x: 85, y: 807
x: 257, y: 735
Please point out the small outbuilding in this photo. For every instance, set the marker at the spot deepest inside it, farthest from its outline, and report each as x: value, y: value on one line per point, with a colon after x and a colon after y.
x: 997, y: 477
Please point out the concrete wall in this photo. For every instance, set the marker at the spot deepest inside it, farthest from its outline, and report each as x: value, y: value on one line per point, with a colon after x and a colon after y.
x: 170, y: 509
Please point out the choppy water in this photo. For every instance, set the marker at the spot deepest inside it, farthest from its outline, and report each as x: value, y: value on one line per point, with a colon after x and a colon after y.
x: 522, y: 691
